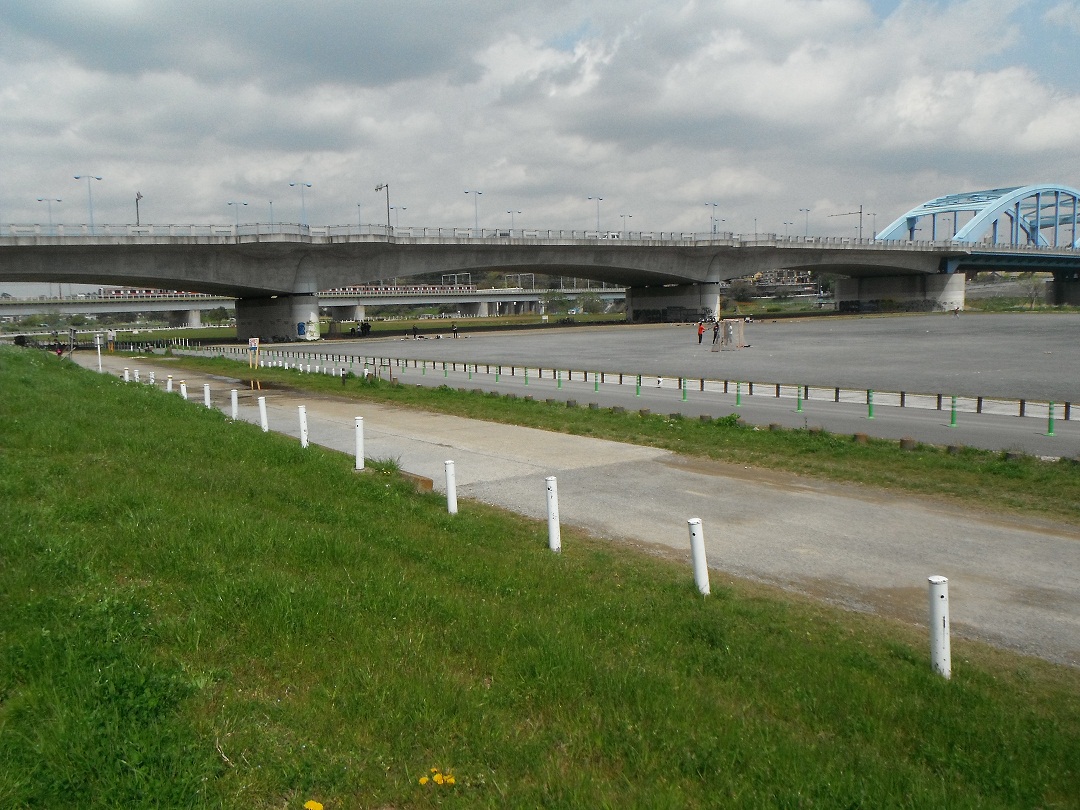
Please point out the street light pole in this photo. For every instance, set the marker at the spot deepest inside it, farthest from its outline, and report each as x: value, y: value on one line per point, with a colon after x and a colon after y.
x: 49, y: 201
x: 712, y: 217
x: 625, y: 217
x: 397, y: 214
x: 476, y: 207
x: 138, y: 196
x: 511, y: 213
x: 786, y: 223
x: 385, y: 187
x: 303, y: 206
x: 89, y: 196
x: 806, y: 224
x: 271, y: 216
x: 598, y: 201
x: 237, y: 205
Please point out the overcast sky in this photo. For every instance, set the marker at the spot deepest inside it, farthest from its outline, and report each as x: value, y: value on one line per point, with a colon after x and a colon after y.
x: 660, y: 107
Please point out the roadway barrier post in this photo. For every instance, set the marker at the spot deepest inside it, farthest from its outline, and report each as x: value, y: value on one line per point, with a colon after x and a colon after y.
x: 869, y: 403
x: 451, y: 487
x: 136, y: 373
x: 684, y: 389
x: 168, y: 384
x: 1050, y: 420
x: 206, y: 394
x: 151, y: 378
x: 235, y: 404
x: 554, y: 538
x: 595, y: 382
x: 952, y: 418
x: 558, y: 379
x: 263, y: 423
x: 526, y: 375
x: 738, y: 394
x: 303, y: 425
x: 697, y: 552
x: 470, y: 371
x: 638, y: 392
x: 498, y: 371
x: 940, y: 654
x: 183, y: 389
x: 444, y: 371
x: 359, y: 443
x: 798, y: 399
x: 127, y: 374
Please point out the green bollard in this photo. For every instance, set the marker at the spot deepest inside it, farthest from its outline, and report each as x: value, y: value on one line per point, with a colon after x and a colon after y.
x: 444, y: 373
x: 558, y: 379
x: 1050, y: 421
x: 638, y: 392
x: 869, y: 403
x: 423, y: 368
x: 498, y: 369
x: 526, y: 375
x: 596, y: 381
x: 470, y: 370
x: 952, y: 418
x: 798, y: 400
x: 684, y: 389
x: 738, y: 395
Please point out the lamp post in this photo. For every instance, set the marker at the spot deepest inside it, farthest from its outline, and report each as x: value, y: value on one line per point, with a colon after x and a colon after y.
x: 397, y: 214
x: 236, y: 205
x: 786, y: 223
x: 476, y: 207
x: 138, y: 196
x: 712, y: 217
x: 89, y: 196
x: 511, y: 213
x: 873, y: 234
x: 385, y: 187
x: 271, y: 216
x: 806, y: 224
x: 598, y: 201
x: 49, y: 201
x: 359, y: 217
x: 624, y: 217
x: 303, y: 206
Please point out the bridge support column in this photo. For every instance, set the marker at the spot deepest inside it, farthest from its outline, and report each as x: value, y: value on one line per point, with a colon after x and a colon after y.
x: 922, y: 293
x: 281, y: 318
x: 194, y: 317
x: 673, y: 303
x: 1065, y: 289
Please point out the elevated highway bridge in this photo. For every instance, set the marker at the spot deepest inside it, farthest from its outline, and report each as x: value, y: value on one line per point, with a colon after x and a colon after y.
x: 276, y: 272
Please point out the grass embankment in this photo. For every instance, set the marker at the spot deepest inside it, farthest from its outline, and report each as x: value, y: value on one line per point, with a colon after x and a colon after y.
x: 974, y: 478
x: 198, y: 614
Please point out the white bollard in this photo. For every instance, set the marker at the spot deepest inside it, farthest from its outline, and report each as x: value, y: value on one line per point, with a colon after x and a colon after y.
x: 940, y: 654
x: 451, y: 487
x: 303, y: 425
x: 359, y: 443
x: 183, y: 389
x: 262, y: 415
x: 554, y: 537
x: 206, y: 394
x: 152, y: 377
x: 697, y: 552
x: 136, y: 377
x: 235, y: 405
x: 168, y: 384
x: 127, y: 374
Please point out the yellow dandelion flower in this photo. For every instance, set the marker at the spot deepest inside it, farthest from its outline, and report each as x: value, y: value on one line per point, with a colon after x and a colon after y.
x: 439, y: 779
x: 450, y: 780
x: 424, y: 780
x: 434, y: 770
x: 311, y: 804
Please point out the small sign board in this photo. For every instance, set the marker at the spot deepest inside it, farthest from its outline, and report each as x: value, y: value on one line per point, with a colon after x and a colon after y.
x: 253, y: 344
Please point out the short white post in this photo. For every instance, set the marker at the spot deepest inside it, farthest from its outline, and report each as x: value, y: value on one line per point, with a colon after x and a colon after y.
x: 127, y: 374
x: 168, y: 384
x: 151, y: 378
x: 303, y: 425
x: 940, y: 654
x: 554, y: 537
x: 359, y: 443
x: 235, y: 405
x: 136, y: 375
x: 206, y: 394
x: 97, y: 343
x: 451, y: 487
x: 697, y: 552
x: 265, y: 425
x: 183, y: 389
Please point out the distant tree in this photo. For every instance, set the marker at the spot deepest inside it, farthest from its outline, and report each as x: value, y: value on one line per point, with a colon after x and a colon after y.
x: 590, y: 303
x: 555, y: 301
x: 1034, y: 287
x: 217, y: 315
x: 743, y: 290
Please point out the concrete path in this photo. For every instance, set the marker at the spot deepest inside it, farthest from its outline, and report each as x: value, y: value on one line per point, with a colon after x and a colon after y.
x: 1013, y: 582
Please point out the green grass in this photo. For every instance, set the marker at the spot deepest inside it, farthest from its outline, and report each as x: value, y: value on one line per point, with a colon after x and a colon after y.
x: 971, y: 477
x: 197, y: 614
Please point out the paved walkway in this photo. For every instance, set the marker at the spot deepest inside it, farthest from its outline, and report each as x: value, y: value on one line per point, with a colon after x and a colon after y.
x: 1013, y: 582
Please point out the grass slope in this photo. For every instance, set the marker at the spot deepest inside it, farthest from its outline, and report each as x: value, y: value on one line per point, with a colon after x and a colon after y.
x: 197, y: 614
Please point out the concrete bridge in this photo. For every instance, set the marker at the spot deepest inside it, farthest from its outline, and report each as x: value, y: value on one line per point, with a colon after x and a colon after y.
x: 276, y: 272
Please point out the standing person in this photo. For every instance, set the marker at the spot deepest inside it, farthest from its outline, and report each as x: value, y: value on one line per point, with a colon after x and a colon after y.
x: 453, y: 328
x: 415, y: 332
x: 700, y: 330
x: 715, y: 332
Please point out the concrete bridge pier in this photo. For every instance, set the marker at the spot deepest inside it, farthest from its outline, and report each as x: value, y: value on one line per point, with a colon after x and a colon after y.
x: 673, y: 302
x: 1065, y: 289
x: 279, y: 317
x: 929, y: 293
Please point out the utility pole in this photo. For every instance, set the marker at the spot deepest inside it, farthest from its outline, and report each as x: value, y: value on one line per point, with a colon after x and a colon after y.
x: 386, y: 187
x: 850, y: 214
